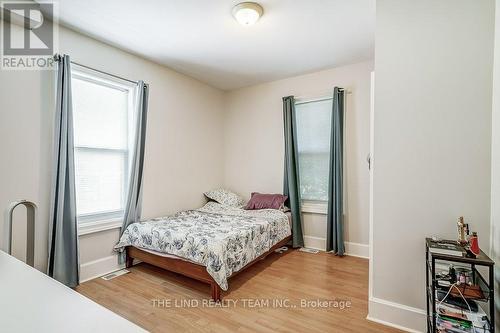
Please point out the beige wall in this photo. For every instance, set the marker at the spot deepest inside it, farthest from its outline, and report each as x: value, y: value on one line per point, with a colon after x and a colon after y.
x: 253, y: 140
x: 495, y: 163
x: 184, y: 139
x: 185, y: 152
x: 433, y: 74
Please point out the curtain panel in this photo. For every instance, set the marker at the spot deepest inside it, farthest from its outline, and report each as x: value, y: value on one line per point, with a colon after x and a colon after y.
x: 133, y: 205
x: 291, y: 183
x: 335, y: 229
x: 63, y: 264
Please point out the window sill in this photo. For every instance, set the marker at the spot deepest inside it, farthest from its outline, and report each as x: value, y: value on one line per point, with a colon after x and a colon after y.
x: 87, y: 228
x: 315, y: 208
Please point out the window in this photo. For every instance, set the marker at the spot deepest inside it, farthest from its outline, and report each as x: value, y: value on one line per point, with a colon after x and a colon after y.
x: 313, y: 143
x: 102, y: 120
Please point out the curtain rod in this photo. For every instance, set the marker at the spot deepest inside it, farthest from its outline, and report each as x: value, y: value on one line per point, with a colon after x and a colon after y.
x: 57, y: 57
x: 304, y: 100
x: 299, y: 102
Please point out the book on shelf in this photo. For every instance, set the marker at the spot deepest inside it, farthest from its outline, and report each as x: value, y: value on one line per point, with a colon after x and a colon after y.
x: 452, y: 319
x: 443, y: 267
x: 447, y: 248
x: 456, y: 302
x: 443, y: 283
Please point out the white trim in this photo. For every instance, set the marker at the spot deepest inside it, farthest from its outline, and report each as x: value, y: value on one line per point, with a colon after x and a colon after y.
x: 94, y: 269
x: 98, y: 77
x: 397, y: 315
x: 317, y: 243
x: 405, y: 329
x: 351, y: 249
x: 357, y: 250
x: 98, y: 226
x: 100, y: 221
x: 371, y: 172
x: 314, y: 207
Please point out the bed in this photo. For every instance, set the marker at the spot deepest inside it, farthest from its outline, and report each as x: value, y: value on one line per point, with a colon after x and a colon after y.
x: 210, y: 244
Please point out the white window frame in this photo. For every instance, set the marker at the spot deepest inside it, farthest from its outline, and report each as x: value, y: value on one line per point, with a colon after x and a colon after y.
x: 314, y: 206
x: 100, y: 221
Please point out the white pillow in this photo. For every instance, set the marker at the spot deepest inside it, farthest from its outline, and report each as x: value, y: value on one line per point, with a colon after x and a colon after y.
x: 225, y: 197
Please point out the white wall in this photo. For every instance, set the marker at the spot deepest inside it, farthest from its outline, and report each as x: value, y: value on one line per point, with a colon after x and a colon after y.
x: 254, y: 147
x: 433, y: 72
x: 495, y: 163
x: 183, y: 149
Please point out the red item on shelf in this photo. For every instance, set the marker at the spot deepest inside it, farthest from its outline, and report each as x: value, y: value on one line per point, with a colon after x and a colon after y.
x: 474, y: 244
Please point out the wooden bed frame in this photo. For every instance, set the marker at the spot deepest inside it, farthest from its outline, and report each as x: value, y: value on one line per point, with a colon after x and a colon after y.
x: 190, y: 269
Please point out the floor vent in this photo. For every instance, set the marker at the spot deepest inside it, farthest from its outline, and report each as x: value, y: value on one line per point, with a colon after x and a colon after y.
x: 308, y: 250
x: 114, y: 274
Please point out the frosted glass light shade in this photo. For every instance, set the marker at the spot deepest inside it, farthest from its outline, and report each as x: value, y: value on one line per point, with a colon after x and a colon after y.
x: 247, y: 13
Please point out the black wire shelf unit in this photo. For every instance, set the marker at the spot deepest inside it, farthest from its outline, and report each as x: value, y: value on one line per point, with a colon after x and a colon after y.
x: 481, y: 270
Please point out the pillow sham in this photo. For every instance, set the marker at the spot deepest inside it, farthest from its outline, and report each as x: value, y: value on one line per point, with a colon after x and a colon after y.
x: 225, y: 197
x: 266, y: 201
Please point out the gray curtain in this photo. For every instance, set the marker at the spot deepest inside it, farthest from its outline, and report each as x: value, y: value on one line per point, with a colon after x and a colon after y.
x: 291, y: 183
x: 335, y: 230
x: 134, y: 196
x: 63, y: 262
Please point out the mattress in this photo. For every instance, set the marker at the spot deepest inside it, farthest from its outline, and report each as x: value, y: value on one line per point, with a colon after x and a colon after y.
x: 223, y: 239
x: 172, y: 256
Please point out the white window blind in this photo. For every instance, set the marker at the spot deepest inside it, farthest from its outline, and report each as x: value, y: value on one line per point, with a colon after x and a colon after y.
x: 313, y: 143
x: 102, y: 120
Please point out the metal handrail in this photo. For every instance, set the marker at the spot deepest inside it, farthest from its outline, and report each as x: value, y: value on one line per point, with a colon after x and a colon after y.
x: 30, y: 234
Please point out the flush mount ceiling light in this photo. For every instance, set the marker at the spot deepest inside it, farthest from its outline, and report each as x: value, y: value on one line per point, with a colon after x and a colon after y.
x: 247, y: 13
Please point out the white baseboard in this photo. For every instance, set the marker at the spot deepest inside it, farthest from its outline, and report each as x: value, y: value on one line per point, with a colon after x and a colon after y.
x: 357, y: 250
x: 351, y: 249
x: 397, y: 315
x: 94, y: 269
x: 317, y: 243
x: 106, y: 265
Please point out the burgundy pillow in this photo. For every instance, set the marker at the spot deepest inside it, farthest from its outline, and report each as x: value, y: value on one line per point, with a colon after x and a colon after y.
x: 266, y: 201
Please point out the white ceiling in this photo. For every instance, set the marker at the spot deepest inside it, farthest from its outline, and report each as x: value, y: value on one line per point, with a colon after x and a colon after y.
x: 200, y: 38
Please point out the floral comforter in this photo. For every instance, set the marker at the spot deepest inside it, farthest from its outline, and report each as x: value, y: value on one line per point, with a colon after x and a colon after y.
x: 223, y: 239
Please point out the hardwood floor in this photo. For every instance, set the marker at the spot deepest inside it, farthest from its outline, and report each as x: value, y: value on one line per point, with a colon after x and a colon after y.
x: 270, y: 296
